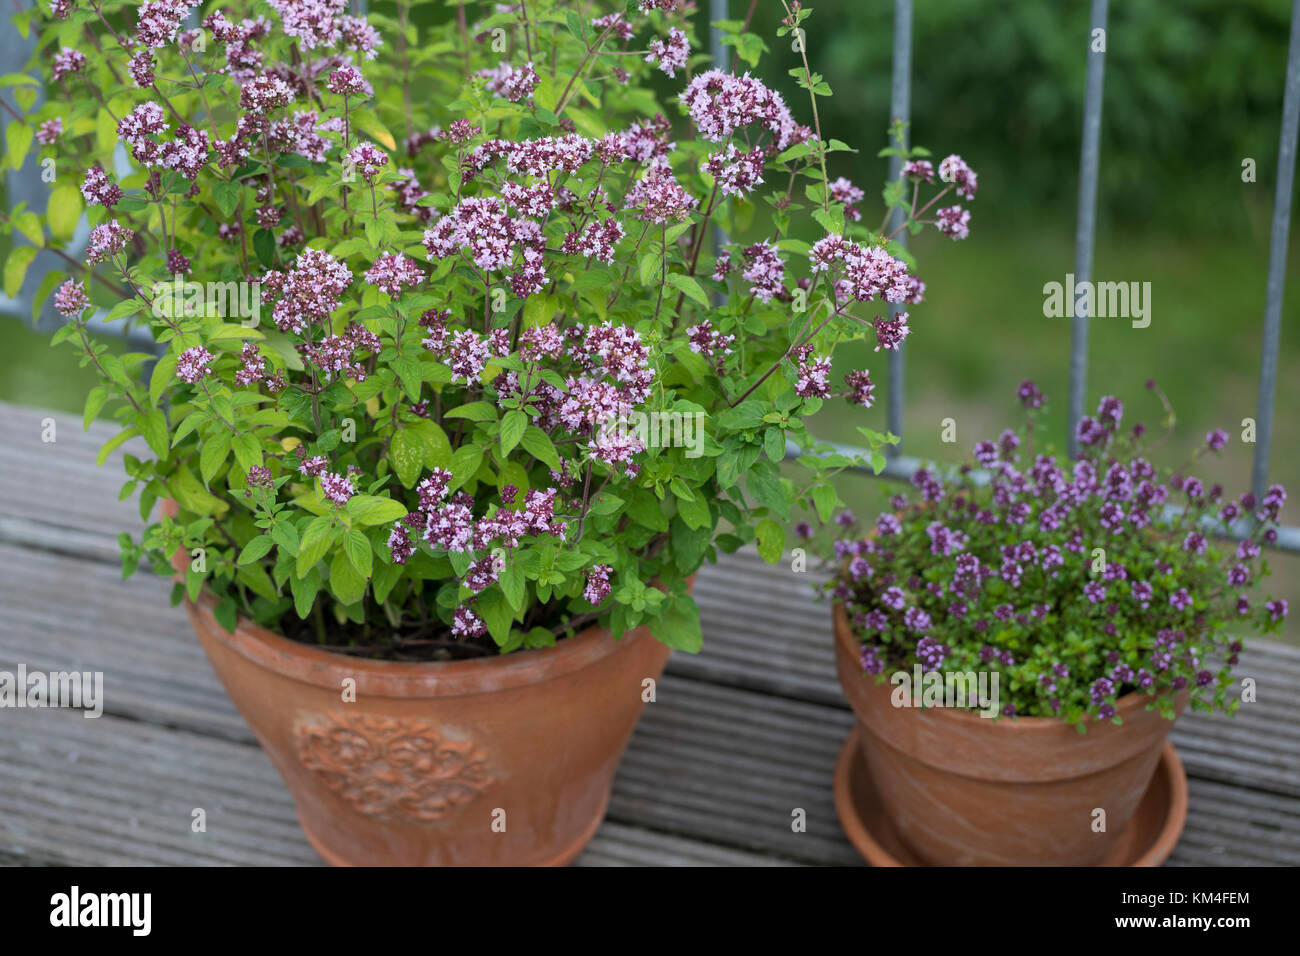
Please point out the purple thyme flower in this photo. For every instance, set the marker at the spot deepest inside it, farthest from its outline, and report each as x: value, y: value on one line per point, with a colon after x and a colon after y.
x: 893, y: 597
x: 916, y: 620
x: 1029, y: 395
x: 859, y: 569
x: 930, y: 653
x: 875, y: 620
x: 1102, y: 688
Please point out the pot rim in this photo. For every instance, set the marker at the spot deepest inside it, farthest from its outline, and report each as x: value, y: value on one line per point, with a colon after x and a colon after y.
x: 1124, y: 706
x: 327, y: 669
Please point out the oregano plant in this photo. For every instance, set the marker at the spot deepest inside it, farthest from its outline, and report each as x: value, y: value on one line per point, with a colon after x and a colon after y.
x: 451, y: 356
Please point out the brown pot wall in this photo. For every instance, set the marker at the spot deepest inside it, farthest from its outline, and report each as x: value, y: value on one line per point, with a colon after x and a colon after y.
x: 969, y: 791
x: 419, y: 768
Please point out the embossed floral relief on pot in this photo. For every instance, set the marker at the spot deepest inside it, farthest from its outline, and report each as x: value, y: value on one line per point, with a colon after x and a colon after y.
x: 401, y: 770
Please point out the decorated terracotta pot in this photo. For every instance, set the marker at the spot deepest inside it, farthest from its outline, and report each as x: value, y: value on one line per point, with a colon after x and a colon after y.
x: 495, y: 761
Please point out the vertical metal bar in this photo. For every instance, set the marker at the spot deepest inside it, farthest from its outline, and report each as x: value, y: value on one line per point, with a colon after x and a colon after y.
x: 1086, y: 227
x: 900, y: 108
x: 717, y: 11
x: 1286, y: 156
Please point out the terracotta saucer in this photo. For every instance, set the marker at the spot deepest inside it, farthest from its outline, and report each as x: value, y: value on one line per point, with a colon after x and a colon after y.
x: 1147, y: 840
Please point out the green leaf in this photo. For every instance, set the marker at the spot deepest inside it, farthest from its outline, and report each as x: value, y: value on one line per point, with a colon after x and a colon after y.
x: 124, y: 308
x: 357, y: 547
x: 771, y: 541
x: 537, y: 309
x: 513, y: 427
x: 115, y: 442
x: 688, y: 285
x: 185, y: 488
x: 226, y: 196
x: 385, y: 579
x: 464, y: 464
x: 512, y: 586
x: 285, y: 535
x: 164, y: 372
x: 247, y: 451
x: 679, y: 627
x: 105, y: 131
x: 191, y: 422
x: 474, y: 411
x: 212, y: 455
x: 408, y: 370
x: 304, y: 592
x: 255, y: 549
x: 94, y: 404
x: 765, y: 485
x: 748, y: 414
x: 825, y: 499
x: 406, y: 453
x: 264, y: 246
x: 18, y: 137
x: 649, y: 266
x: 833, y: 224
x: 774, y: 444
x: 496, y: 615
x: 153, y: 426
x: 695, y: 512
x: 227, y: 614
x: 315, y: 542
x: 436, y: 445
x: 29, y: 224
x: 64, y: 212
x: 372, y: 510
x: 643, y: 508
x: 538, y: 444
x: 228, y: 330
x: 20, y: 257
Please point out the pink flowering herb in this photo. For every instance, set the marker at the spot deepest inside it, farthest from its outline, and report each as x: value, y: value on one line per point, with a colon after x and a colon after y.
x: 460, y: 369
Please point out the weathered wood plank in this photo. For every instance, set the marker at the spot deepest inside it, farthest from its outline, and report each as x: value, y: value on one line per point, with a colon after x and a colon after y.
x: 112, y: 791
x: 109, y: 791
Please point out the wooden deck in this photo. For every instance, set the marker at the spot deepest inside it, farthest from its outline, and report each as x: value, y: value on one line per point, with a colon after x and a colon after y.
x: 739, y: 737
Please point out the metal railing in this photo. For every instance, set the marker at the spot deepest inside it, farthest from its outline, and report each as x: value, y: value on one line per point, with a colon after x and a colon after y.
x: 901, y: 467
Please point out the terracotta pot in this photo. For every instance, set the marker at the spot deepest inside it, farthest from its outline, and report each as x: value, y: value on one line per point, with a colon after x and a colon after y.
x: 496, y: 761
x: 964, y: 790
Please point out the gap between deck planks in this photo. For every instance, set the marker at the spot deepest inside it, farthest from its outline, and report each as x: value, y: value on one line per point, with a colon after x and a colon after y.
x: 739, y: 736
